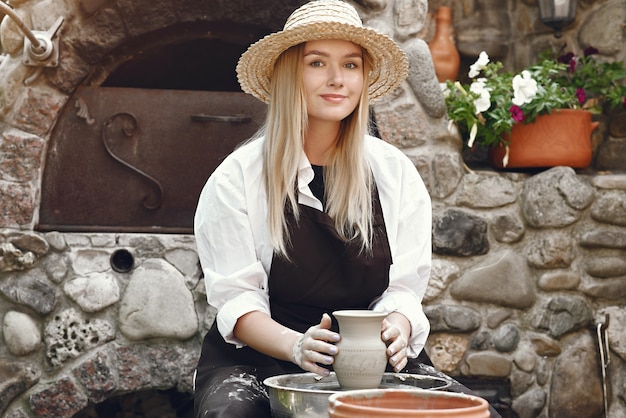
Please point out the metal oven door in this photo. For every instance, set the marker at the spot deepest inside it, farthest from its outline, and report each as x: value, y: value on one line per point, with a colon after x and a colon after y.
x: 135, y: 160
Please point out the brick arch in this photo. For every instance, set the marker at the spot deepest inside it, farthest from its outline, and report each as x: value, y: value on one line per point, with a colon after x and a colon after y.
x: 96, y: 37
x: 115, y: 370
x: 120, y: 31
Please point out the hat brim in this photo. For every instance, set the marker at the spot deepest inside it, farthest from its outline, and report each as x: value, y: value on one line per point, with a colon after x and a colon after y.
x: 389, y: 63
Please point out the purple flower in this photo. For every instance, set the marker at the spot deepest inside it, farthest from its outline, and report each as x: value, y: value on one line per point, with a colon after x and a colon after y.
x: 517, y: 114
x: 624, y: 102
x: 580, y: 94
x: 590, y: 51
x: 567, y: 58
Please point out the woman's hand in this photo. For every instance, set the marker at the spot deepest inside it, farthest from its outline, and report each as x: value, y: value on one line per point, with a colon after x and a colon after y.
x: 315, y: 346
x: 395, y: 332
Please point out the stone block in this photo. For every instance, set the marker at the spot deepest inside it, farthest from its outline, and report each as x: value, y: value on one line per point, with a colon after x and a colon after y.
x: 70, y: 334
x: 60, y: 399
x: 157, y: 304
x: 96, y: 375
x: 20, y: 156
x: 36, y: 110
x: 15, y: 379
x: 21, y: 333
x: 488, y: 364
x: 583, y: 397
x: 17, y: 204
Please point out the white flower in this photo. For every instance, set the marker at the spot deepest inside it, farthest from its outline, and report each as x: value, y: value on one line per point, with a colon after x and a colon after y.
x: 524, y: 88
x: 444, y: 89
x: 481, y: 62
x: 483, y: 102
x: 478, y: 85
x: 472, y: 135
x: 451, y: 126
x: 459, y: 87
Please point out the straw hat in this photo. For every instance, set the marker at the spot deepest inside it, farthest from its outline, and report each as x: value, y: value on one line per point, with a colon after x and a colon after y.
x: 323, y: 19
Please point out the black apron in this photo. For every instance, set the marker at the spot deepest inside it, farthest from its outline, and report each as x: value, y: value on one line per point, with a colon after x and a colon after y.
x: 324, y: 272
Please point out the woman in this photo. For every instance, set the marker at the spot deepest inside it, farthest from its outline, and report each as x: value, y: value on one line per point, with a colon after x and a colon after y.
x: 311, y: 216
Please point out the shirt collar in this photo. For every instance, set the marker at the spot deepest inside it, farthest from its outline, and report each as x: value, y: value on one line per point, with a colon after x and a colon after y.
x: 305, y: 176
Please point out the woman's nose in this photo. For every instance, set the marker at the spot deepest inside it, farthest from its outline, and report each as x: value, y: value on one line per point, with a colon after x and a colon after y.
x: 335, y: 76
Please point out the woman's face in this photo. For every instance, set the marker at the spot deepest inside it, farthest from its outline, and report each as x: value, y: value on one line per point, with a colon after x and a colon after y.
x: 333, y: 79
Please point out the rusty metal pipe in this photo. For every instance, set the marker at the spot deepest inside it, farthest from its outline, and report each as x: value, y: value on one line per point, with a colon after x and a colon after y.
x: 36, y: 43
x: 116, y: 228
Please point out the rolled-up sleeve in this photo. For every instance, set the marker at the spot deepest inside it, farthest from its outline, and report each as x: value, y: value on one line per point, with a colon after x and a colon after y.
x: 235, y: 279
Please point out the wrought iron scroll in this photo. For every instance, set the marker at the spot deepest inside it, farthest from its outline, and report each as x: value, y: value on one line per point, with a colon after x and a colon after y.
x: 129, y: 127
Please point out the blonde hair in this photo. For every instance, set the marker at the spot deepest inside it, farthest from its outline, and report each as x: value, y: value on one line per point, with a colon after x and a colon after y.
x: 347, y: 177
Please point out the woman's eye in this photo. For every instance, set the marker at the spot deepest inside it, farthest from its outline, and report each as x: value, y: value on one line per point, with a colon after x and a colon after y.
x: 316, y: 64
x: 352, y: 65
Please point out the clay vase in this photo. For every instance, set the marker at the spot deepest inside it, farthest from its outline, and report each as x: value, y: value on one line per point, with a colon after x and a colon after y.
x: 361, y: 360
x: 410, y: 403
x: 445, y: 56
x: 562, y: 138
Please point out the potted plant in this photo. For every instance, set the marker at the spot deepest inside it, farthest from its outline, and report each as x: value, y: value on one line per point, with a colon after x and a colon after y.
x: 506, y: 112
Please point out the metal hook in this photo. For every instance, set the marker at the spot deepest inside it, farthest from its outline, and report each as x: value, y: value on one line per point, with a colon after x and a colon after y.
x: 604, y: 349
x: 605, y: 324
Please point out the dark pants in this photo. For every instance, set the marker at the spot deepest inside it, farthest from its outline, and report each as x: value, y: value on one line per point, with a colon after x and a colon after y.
x: 234, y: 392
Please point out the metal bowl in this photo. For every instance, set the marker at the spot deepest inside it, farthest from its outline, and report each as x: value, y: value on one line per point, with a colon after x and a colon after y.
x: 305, y: 395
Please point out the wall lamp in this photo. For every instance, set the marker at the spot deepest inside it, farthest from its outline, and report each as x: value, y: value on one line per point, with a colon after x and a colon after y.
x: 557, y: 13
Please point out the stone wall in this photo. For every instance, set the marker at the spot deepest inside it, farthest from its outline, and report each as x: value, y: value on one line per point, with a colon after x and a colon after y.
x: 87, y: 316
x: 525, y: 264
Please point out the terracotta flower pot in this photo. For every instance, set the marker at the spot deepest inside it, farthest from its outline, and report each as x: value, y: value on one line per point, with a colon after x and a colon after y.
x: 375, y: 403
x: 562, y: 138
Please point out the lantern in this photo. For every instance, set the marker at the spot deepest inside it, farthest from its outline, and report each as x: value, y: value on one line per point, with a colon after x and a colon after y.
x: 557, y: 13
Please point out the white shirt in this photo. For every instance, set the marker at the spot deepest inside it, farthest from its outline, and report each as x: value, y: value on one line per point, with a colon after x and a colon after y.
x: 236, y: 253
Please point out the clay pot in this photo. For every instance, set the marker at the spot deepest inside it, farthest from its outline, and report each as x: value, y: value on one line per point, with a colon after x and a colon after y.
x: 361, y: 360
x: 445, y: 56
x: 562, y: 138
x: 374, y: 403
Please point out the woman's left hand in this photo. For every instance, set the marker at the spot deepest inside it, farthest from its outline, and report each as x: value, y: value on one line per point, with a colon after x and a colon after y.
x: 395, y: 333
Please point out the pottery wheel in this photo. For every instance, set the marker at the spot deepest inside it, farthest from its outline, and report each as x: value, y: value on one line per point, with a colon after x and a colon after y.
x: 312, y: 382
x: 305, y: 395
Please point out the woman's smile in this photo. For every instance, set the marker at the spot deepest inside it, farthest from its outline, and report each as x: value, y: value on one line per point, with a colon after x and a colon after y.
x: 335, y: 98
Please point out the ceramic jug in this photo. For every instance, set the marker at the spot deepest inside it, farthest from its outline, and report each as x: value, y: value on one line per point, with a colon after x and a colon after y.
x: 361, y: 360
x: 446, y: 58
